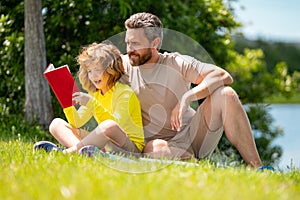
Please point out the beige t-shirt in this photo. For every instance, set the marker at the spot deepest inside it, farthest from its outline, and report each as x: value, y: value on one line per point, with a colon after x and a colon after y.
x: 159, y: 88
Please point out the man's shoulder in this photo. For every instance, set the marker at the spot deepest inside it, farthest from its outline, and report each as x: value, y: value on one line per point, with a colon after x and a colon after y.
x: 175, y: 57
x: 169, y: 55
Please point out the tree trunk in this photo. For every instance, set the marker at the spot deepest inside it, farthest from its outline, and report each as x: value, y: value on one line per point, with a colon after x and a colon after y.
x: 38, y: 98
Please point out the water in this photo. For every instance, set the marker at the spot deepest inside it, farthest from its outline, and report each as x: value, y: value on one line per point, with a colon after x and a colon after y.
x: 287, y: 116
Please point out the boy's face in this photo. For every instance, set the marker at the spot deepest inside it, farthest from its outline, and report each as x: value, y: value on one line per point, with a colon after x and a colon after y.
x: 98, y: 77
x: 138, y: 47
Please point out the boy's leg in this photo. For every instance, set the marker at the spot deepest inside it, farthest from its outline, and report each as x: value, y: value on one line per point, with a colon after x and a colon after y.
x: 107, y: 131
x: 66, y: 134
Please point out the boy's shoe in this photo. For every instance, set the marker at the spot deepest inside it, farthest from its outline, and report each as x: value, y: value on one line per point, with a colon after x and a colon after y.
x: 268, y: 167
x: 90, y: 150
x: 47, y: 146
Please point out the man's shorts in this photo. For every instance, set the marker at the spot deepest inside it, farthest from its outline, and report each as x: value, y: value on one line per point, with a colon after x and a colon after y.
x: 196, y: 140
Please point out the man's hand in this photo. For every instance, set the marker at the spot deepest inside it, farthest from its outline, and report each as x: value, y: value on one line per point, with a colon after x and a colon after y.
x: 176, y: 117
x: 81, y: 98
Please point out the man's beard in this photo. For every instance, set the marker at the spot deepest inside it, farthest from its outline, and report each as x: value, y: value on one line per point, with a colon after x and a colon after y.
x: 141, y: 59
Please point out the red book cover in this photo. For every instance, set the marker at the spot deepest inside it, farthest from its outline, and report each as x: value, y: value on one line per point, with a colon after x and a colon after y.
x: 62, y: 83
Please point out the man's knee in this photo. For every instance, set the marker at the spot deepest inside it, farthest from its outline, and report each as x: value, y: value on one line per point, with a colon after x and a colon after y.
x: 155, y: 145
x: 222, y: 96
x: 229, y: 93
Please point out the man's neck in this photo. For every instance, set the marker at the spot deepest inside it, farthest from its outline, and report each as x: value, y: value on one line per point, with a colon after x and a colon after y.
x: 152, y: 62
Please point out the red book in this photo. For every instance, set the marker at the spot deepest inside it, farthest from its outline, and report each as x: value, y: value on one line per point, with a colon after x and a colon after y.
x: 62, y: 83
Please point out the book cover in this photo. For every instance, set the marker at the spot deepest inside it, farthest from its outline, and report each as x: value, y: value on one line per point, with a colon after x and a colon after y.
x: 62, y: 83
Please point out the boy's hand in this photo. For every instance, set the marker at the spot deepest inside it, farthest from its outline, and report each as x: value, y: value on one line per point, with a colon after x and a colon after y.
x: 81, y: 98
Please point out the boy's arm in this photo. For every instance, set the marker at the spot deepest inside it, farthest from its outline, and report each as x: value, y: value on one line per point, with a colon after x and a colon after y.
x: 78, y: 118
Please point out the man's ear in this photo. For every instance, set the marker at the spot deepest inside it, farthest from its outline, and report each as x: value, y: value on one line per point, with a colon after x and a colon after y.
x: 155, y: 43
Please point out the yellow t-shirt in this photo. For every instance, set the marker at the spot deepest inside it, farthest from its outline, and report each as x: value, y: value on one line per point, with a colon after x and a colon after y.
x: 119, y: 104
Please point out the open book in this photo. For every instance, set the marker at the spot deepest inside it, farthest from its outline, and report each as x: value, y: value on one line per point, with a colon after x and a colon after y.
x: 62, y: 83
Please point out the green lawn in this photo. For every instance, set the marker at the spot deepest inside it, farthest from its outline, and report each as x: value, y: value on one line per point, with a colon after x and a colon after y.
x: 38, y: 175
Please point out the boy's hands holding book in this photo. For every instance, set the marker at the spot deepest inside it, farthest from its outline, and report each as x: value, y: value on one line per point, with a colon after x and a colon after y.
x: 81, y: 98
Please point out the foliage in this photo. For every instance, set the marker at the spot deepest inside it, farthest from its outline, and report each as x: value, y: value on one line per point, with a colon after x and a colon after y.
x: 295, y: 99
x: 275, y: 52
x: 212, y: 22
x: 280, y: 58
x: 12, y: 58
x: 71, y: 24
x: 253, y: 82
x: 14, y: 127
x: 296, y: 80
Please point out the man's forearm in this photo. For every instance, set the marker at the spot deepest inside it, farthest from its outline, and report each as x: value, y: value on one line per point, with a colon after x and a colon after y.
x: 212, y: 81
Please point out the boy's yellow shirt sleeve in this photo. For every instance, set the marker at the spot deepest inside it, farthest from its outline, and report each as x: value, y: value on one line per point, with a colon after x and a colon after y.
x: 77, y: 118
x: 99, y: 111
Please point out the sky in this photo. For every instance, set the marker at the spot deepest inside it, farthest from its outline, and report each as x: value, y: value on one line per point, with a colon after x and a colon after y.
x: 269, y: 19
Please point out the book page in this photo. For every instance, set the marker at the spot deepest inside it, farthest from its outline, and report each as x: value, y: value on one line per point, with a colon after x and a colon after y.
x: 49, y: 68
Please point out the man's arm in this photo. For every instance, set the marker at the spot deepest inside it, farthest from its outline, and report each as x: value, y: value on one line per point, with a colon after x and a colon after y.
x: 210, y: 79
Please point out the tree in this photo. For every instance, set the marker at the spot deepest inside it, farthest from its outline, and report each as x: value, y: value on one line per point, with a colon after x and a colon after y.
x: 37, y: 104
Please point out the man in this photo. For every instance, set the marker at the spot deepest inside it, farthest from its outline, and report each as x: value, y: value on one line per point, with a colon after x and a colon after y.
x: 162, y: 83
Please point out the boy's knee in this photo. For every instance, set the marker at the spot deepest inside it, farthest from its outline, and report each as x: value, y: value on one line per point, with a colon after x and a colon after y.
x: 108, y: 126
x: 54, y: 124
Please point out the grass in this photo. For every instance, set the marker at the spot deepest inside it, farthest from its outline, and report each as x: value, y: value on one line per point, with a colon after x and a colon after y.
x: 31, y: 175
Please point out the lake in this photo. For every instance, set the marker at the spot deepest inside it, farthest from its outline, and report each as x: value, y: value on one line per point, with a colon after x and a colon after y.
x: 287, y: 116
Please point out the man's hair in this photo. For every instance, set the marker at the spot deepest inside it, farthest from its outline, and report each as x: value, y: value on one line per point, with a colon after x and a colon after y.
x: 106, y: 56
x: 151, y: 24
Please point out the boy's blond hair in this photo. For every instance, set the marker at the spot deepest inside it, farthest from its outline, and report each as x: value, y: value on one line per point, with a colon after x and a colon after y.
x: 107, y: 56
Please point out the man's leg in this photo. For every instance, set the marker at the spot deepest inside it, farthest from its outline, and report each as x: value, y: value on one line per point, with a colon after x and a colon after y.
x: 159, y: 148
x: 223, y: 108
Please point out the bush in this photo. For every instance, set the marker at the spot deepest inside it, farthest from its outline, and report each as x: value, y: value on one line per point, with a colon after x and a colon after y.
x: 14, y: 127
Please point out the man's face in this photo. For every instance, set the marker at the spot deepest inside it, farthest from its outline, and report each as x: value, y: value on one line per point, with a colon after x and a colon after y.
x: 138, y: 47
